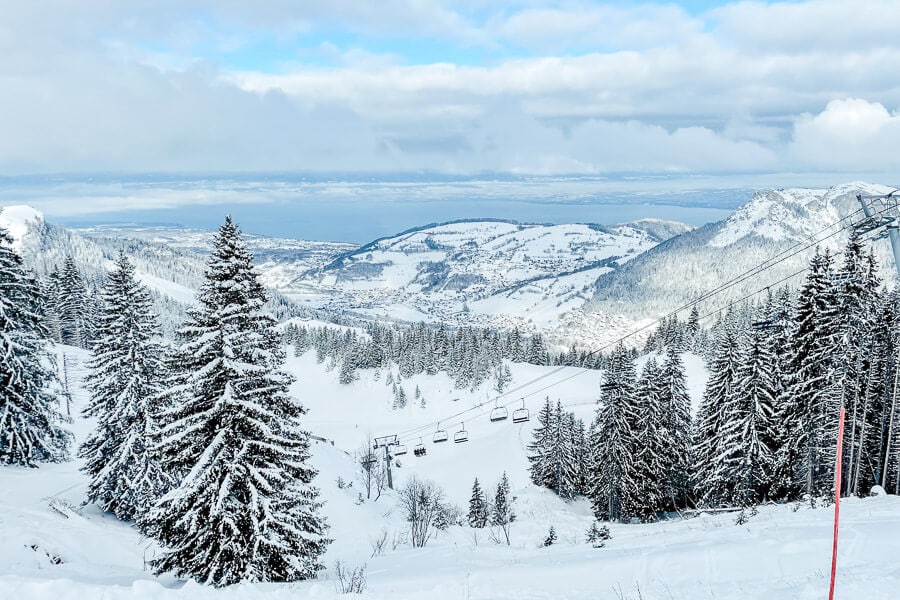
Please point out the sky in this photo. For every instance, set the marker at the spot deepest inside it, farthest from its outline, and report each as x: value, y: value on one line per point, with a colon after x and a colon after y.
x: 746, y: 91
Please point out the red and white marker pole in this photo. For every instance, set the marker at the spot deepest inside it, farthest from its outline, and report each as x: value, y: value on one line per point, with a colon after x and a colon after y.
x: 837, y: 502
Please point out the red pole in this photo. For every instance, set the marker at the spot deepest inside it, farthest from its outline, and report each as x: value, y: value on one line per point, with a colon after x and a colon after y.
x: 837, y: 502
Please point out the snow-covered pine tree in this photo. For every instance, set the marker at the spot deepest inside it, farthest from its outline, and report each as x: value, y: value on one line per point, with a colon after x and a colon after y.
x: 502, y: 514
x: 653, y: 446
x: 882, y: 445
x: 72, y: 307
x: 30, y: 429
x: 711, y: 480
x: 563, y: 456
x: 749, y: 432
x: 857, y: 298
x: 579, y: 444
x: 478, y: 507
x: 814, y: 395
x: 245, y: 509
x: 502, y: 377
x: 613, y: 445
x: 539, y: 448
x: 125, y: 379
x: 676, y: 406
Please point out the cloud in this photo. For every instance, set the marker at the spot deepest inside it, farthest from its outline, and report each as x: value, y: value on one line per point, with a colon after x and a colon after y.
x: 581, y: 26
x: 565, y: 87
x: 850, y: 134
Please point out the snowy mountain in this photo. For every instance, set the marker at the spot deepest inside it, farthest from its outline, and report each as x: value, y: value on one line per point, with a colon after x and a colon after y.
x: 172, y: 273
x: 693, y: 263
x: 482, y: 271
x: 279, y: 260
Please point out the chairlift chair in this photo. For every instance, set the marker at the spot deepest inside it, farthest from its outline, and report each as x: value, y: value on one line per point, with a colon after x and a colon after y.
x: 499, y: 413
x: 520, y: 415
x: 440, y: 436
x: 461, y: 436
x: 399, y: 450
x: 420, y: 449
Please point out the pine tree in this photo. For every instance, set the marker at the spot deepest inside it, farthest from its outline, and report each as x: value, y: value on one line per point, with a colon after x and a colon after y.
x: 749, y: 433
x: 711, y: 480
x: 244, y: 509
x: 563, y: 456
x: 72, y: 308
x: 807, y: 456
x: 478, y: 507
x: 30, y: 429
x: 857, y: 299
x: 124, y: 381
x: 612, y: 486
x: 539, y: 448
x: 653, y: 448
x: 551, y: 537
x: 502, y: 514
x: 676, y: 406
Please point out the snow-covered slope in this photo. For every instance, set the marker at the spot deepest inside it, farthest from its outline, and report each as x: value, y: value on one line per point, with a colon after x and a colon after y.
x: 171, y: 271
x: 52, y: 548
x: 20, y: 221
x: 693, y: 263
x: 478, y: 271
x: 279, y: 260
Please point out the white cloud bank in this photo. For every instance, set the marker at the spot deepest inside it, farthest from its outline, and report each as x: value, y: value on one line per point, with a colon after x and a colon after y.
x: 749, y: 87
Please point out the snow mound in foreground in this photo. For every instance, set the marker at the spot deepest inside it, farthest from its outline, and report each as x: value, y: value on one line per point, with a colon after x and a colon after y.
x: 17, y: 220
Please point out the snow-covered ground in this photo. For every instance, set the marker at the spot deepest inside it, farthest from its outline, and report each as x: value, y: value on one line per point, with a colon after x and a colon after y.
x: 50, y: 547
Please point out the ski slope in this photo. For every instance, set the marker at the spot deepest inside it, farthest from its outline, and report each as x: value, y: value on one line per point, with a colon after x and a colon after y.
x: 51, y: 548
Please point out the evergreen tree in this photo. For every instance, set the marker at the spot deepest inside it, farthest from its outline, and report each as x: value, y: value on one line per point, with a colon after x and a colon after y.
x: 653, y: 447
x: 72, y: 307
x: 478, y: 507
x: 857, y: 300
x: 612, y: 486
x: 244, y: 509
x: 563, y: 457
x: 539, y: 448
x: 749, y: 433
x: 30, y: 429
x: 124, y: 381
x: 711, y: 479
x: 551, y: 537
x: 502, y: 514
x: 676, y: 406
x: 814, y: 394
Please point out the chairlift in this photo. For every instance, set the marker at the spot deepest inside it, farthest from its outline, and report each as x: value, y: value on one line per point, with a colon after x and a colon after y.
x: 462, y: 435
x: 520, y: 415
x: 440, y: 435
x: 872, y: 223
x: 499, y: 413
x: 420, y: 450
x: 765, y: 324
x: 368, y: 461
x: 399, y: 450
x: 884, y: 233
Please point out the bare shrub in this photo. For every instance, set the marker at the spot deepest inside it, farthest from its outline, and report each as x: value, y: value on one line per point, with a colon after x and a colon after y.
x: 350, y: 580
x: 421, y: 502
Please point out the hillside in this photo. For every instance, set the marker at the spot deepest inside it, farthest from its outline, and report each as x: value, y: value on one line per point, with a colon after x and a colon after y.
x: 691, y: 264
x: 477, y: 271
x: 780, y: 554
x: 172, y: 273
x: 279, y: 260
